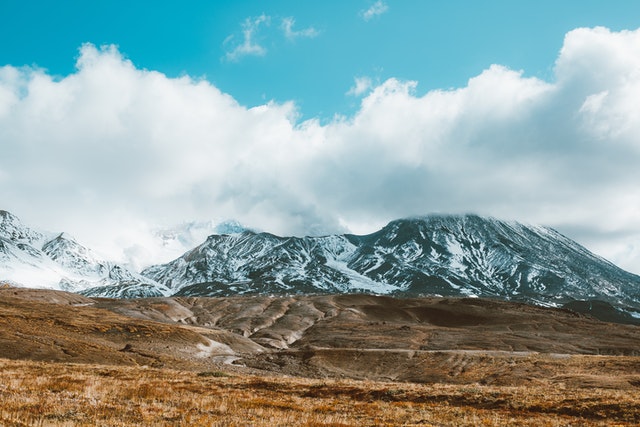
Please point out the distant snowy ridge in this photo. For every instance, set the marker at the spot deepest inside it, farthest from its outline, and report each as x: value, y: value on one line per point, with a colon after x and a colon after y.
x: 34, y: 259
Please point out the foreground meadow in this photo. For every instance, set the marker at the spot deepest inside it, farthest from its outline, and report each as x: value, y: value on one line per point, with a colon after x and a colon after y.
x: 54, y: 394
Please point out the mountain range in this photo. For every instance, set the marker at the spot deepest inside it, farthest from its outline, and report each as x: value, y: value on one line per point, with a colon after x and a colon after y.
x: 57, y: 261
x: 445, y: 255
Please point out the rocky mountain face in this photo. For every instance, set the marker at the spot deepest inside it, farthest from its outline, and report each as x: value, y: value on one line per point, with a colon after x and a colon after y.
x: 435, y: 255
x: 34, y: 259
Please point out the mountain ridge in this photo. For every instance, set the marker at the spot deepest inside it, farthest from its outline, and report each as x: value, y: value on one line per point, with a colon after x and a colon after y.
x: 57, y: 261
x: 448, y: 255
x: 441, y: 255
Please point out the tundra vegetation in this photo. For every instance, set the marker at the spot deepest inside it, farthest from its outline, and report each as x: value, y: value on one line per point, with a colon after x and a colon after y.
x: 55, y: 394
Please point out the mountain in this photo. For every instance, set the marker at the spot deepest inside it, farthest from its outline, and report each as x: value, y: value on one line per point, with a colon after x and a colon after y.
x: 21, y: 258
x: 11, y: 228
x: 189, y: 234
x: 35, y: 259
x: 169, y: 243
x: 70, y: 254
x: 446, y: 255
x: 452, y: 255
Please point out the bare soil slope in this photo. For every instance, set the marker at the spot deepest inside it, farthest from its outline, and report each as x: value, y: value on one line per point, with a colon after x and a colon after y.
x: 366, y: 321
x: 460, y: 341
x: 61, y: 327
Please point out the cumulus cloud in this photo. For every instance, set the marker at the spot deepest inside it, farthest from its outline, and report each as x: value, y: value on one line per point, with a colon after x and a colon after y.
x: 111, y: 150
x: 360, y: 87
x: 291, y: 34
x: 247, y: 46
x: 376, y: 9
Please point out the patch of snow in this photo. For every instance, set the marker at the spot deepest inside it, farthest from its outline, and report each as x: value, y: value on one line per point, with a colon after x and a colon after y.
x: 455, y: 249
x: 211, y: 348
x: 634, y: 314
x: 378, y: 263
x: 453, y: 285
x: 30, y: 276
x: 358, y: 281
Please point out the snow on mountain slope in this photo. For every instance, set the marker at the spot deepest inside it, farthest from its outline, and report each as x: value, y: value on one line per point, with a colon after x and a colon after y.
x: 457, y: 255
x: 64, y: 250
x: 22, y: 264
x: 29, y: 258
x: 487, y: 257
x: 11, y: 228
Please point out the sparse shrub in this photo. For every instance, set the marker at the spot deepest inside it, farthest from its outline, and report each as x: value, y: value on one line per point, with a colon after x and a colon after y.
x: 215, y: 374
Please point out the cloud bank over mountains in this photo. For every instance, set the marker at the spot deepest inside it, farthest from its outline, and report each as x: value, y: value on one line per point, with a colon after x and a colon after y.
x: 111, y: 150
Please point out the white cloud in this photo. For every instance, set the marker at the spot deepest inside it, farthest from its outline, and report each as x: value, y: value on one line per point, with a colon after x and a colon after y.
x: 111, y: 150
x: 291, y: 34
x: 248, y: 45
x: 376, y: 9
x: 360, y: 87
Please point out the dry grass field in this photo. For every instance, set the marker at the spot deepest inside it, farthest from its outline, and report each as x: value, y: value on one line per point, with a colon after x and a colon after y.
x: 67, y: 360
x: 56, y: 394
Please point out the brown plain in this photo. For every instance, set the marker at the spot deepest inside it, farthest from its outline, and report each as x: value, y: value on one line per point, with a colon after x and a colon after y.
x: 310, y: 360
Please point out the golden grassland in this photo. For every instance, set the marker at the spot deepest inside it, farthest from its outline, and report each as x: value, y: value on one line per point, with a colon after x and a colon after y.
x: 59, y: 394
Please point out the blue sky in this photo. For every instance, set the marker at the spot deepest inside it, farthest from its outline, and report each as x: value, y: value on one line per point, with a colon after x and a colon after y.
x: 320, y: 117
x: 440, y: 44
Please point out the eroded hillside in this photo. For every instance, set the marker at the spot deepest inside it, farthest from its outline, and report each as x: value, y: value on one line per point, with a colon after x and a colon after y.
x: 355, y: 336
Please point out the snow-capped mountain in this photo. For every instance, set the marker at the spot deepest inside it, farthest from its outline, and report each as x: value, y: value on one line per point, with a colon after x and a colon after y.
x: 68, y: 253
x: 444, y: 255
x: 170, y: 242
x: 12, y: 229
x: 35, y: 259
x: 455, y: 255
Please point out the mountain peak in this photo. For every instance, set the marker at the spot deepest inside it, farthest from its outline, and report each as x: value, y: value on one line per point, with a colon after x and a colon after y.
x: 13, y: 229
x: 7, y: 216
x: 230, y: 227
x: 464, y: 218
x: 64, y: 236
x: 27, y: 257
